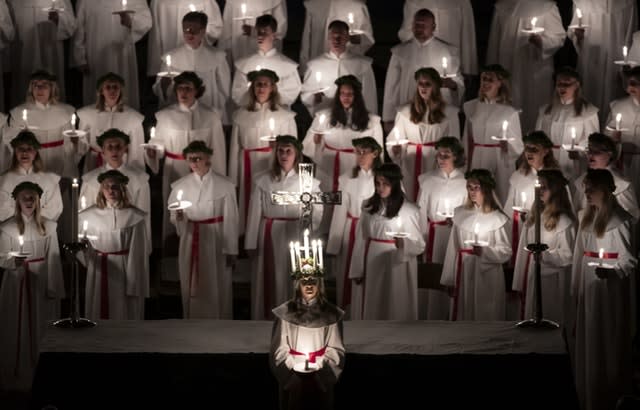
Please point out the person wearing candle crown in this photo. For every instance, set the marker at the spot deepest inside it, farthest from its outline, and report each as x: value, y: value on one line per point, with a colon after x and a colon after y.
x: 110, y: 111
x: 423, y: 122
x: 423, y: 50
x: 266, y: 56
x: 558, y: 232
x: 486, y: 119
x: 195, y: 54
x: 347, y: 119
x: 238, y: 33
x: 527, y: 55
x: 441, y: 191
x: 208, y: 232
x: 105, y: 41
x: 26, y: 165
x: 478, y: 246
x: 114, y: 143
x: 603, y: 277
x: 271, y: 226
x: 385, y: 264
x: 601, y: 153
x: 567, y: 113
x: 321, y: 72
x: 249, y: 154
x: 32, y: 285
x: 117, y: 257
x: 356, y: 186
x: 307, y: 332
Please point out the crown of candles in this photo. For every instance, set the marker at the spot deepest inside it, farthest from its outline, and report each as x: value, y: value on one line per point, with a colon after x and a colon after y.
x: 306, y: 259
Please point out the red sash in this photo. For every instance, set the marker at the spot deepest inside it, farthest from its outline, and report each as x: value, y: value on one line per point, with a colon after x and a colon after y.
x: 194, y: 266
x: 99, y: 157
x: 52, y: 144
x: 173, y: 155
x: 471, y: 144
x: 104, y: 280
x: 311, y: 356
x: 418, y: 166
x: 346, y: 288
x: 606, y: 255
x: 269, y: 262
x: 456, y: 289
x: 428, y: 256
x: 366, y: 254
x: 248, y: 175
x: 336, y: 163
x: 25, y: 285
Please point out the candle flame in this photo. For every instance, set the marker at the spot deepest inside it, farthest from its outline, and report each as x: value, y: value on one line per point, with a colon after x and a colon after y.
x: 523, y: 197
x: 444, y: 62
x: 192, y: 7
x: 601, y: 253
x: 537, y: 184
x: 73, y: 120
x: 83, y: 202
x: 350, y: 18
x: 322, y: 119
x: 625, y: 51
x: 476, y: 228
x: 397, y: 134
x: 258, y: 67
x: 399, y: 223
x: 579, y: 13
x: 573, y: 132
x: 24, y: 115
x: 533, y: 22
x: 243, y: 9
x: 168, y: 60
x: 618, y: 118
x: 21, y: 240
x: 124, y: 4
x: 318, y: 76
x: 153, y: 132
x: 75, y: 182
x: 85, y: 225
x: 272, y: 124
x: 179, y: 196
x: 306, y: 232
x: 505, y: 125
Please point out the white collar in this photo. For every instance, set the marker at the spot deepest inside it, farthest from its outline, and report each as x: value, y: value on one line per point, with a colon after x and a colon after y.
x: 426, y: 42
x: 200, y: 47
x: 568, y: 102
x: 184, y: 108
x: 23, y: 171
x: 291, y: 172
x: 334, y: 56
x: 310, y: 302
x: 111, y: 109
x: 269, y: 53
x: 41, y: 106
x: 204, y: 177
x: 107, y: 166
x: 366, y: 173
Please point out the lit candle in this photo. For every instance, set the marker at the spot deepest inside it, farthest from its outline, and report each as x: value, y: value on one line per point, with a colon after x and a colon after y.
x: 573, y: 137
x: 445, y: 65
x: 320, y: 260
x: 306, y: 244
x: 73, y: 120
x: 533, y: 23
x: 83, y: 202
x: 625, y: 53
x: 192, y: 7
x: 152, y: 133
x: 293, y: 256
x: 350, y: 18
x: 297, y: 246
x: 258, y: 67
x: 618, y: 121
x: 314, y: 245
x: 505, y: 125
x: 523, y: 198
x: 601, y: 255
x: 179, y: 196
x: 243, y: 9
x: 318, y: 77
x: 322, y: 119
x: 537, y: 210
x: 85, y: 225
x: 272, y: 126
x: 24, y: 115
x: 168, y: 63
x: 124, y: 4
x: 74, y: 208
x: 476, y: 232
x: 579, y: 14
x: 447, y: 207
x: 399, y: 224
x: 21, y: 243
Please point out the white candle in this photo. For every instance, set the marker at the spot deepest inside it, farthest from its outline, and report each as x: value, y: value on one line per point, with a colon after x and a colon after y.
x: 601, y: 255
x: 24, y: 115
x: 74, y: 207
x: 272, y: 126
x: 318, y: 76
x: 523, y: 198
x: 243, y: 9
x: 179, y: 196
x: 73, y: 120
x: 397, y: 135
x: 314, y: 245
x: 192, y: 7
x: 21, y: 243
x: 322, y: 119
x: 320, y: 260
x: 399, y: 224
x: 505, y: 125
x: 306, y: 244
x: 618, y: 121
x: 83, y: 202
x: 579, y: 14
x: 533, y: 23
x: 168, y: 63
x: 447, y: 207
x: 297, y: 246
x: 573, y: 137
x: 293, y: 256
x: 625, y: 53
x: 350, y: 18
x: 153, y: 132
x: 124, y: 4
x: 476, y: 231
x: 85, y: 225
x: 445, y: 65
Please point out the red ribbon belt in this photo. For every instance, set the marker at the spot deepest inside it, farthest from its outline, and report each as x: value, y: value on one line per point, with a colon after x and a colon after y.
x: 366, y: 255
x: 346, y: 289
x: 311, y: 356
x: 523, y: 297
x: 173, y: 155
x: 515, y: 236
x: 606, y: 255
x: 52, y: 144
x: 336, y: 162
x: 456, y: 289
x: 432, y: 234
x: 194, y: 266
x: 248, y: 175
x: 99, y: 157
x: 269, y: 262
x: 104, y: 280
x: 418, y: 166
x: 25, y: 285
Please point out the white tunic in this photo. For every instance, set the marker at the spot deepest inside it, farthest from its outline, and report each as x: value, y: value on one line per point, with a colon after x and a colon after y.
x: 7, y: 34
x: 38, y: 43
x: 390, y: 274
x: 439, y: 195
x: 422, y: 137
x: 629, y: 159
x: 50, y: 201
x: 555, y: 270
x: 166, y: 31
x: 531, y: 68
x: 29, y: 299
x: 208, y: 233
x: 558, y: 124
x: 610, y: 26
x: 605, y: 314
x: 484, y: 120
x: 105, y: 45
x: 248, y: 154
x: 332, y: 67
x: 118, y: 240
x: 320, y: 13
x: 97, y: 122
x: 455, y: 24
x: 477, y: 281
x: 336, y: 154
x: 624, y: 193
x: 210, y: 64
x: 289, y: 85
x: 233, y: 39
x: 519, y: 185
x: 273, y: 225
x: 406, y: 59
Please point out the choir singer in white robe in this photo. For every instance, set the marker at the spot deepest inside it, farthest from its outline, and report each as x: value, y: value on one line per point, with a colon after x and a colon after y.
x: 105, y: 41
x: 117, y: 257
x: 7, y: 34
x: 208, y: 232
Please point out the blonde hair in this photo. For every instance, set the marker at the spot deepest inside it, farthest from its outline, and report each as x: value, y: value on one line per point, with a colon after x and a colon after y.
x: 101, y: 201
x: 37, y: 216
x: 599, y: 218
x: 54, y: 96
x: 504, y: 92
x: 37, y: 165
x: 101, y: 101
x: 274, y: 97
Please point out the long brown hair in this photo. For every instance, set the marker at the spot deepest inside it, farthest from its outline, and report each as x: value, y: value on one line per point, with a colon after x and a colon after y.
x: 274, y: 98
x: 504, y: 92
x: 276, y: 170
x: 435, y: 104
x: 37, y: 216
x: 579, y: 102
x: 600, y: 180
x: 487, y: 186
x: 559, y: 202
x: 101, y: 201
x: 37, y: 165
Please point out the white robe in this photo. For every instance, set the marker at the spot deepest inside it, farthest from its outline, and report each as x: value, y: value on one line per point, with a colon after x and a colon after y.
x: 406, y: 59
x: 630, y: 122
x: 282, y: 232
x: 38, y: 43
x: 248, y: 152
x: 97, y: 122
x: 332, y: 67
x: 555, y: 270
x: 320, y: 13
x: 234, y: 40
x: 390, y: 274
x: 531, y: 68
x: 424, y: 136
x: 439, y: 194
x: 624, y: 193
x: 289, y: 85
x: 342, y: 235
x: 210, y: 64
x: 455, y: 24
x: 28, y: 300
x: 477, y: 281
x: 336, y: 152
x: 519, y: 184
x: 105, y: 45
x: 166, y: 31
x: 484, y: 120
x: 7, y: 34
x: 206, y: 284
x: 610, y: 24
x: 558, y: 124
x: 119, y: 235
x: 50, y: 201
x: 605, y: 314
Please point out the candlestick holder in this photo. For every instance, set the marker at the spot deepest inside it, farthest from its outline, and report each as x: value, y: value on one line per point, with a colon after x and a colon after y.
x: 74, y: 321
x: 538, y: 321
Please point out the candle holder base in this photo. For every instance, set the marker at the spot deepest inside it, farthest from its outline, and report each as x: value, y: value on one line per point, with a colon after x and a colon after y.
x: 71, y: 323
x: 74, y: 321
x: 538, y: 324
